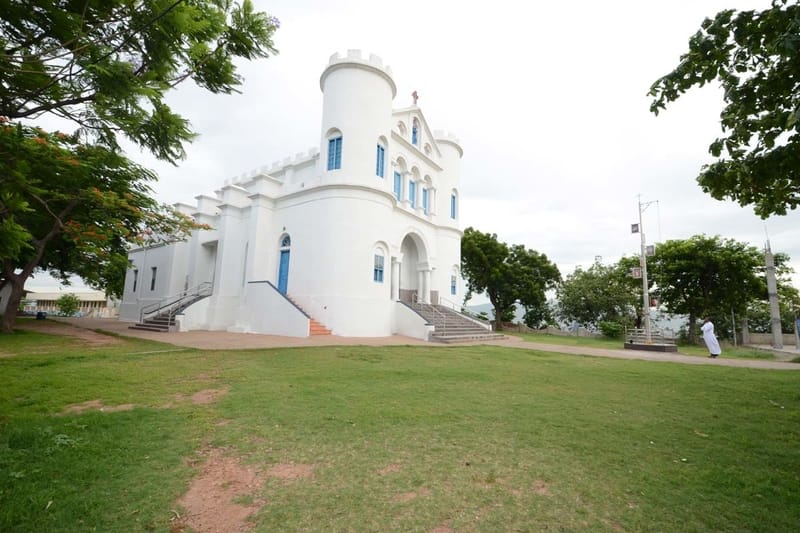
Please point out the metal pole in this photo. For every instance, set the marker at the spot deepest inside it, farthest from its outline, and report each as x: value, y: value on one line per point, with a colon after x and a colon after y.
x: 645, y: 290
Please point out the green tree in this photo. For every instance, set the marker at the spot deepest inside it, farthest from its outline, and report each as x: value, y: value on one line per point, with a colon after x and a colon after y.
x: 506, y: 274
x: 73, y: 203
x: 753, y: 55
x: 601, y: 293
x: 68, y: 304
x: 707, y: 276
x: 72, y: 208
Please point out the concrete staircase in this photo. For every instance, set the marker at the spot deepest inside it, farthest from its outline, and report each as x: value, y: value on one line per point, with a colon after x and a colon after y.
x: 315, y: 327
x: 451, y: 326
x: 160, y: 316
x: 159, y: 323
x: 318, y: 329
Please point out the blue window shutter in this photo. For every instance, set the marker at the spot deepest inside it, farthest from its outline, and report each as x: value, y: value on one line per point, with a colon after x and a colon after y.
x: 379, y: 161
x: 335, y: 153
x: 412, y: 193
x: 377, y: 271
x: 398, y: 181
x: 414, y: 136
x: 453, y: 206
x: 425, y: 200
x: 453, y: 285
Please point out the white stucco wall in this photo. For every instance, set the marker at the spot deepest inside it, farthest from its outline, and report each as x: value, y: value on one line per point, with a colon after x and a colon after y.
x: 336, y: 221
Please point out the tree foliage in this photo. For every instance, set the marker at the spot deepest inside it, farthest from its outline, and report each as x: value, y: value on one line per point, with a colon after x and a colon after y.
x: 601, y: 293
x: 707, y: 276
x: 72, y: 203
x: 68, y: 304
x: 68, y: 208
x: 506, y: 274
x: 754, y: 56
x: 106, y: 66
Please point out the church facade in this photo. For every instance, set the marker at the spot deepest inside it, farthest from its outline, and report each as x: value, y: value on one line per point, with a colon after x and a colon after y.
x: 343, y: 235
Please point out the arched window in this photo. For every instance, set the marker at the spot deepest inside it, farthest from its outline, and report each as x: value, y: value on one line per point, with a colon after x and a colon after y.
x: 453, y: 204
x: 334, y: 150
x: 380, y: 158
x: 377, y: 268
x: 415, y: 133
x: 286, y: 242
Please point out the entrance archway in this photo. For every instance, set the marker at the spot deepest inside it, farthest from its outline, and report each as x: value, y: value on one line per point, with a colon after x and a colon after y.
x: 414, y: 276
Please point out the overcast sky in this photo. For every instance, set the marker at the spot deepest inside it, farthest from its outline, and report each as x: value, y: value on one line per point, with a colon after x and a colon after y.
x: 549, y: 100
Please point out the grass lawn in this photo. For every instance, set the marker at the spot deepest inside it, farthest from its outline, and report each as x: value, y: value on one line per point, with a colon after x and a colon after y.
x: 736, y: 352
x: 459, y: 438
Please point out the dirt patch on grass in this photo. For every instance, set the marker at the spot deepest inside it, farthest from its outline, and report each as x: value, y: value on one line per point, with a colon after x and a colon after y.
x: 408, y: 496
x: 86, y: 336
x: 443, y: 529
x: 392, y: 468
x: 222, y: 498
x: 541, y: 487
x: 95, y: 405
x: 291, y: 472
x: 203, y: 397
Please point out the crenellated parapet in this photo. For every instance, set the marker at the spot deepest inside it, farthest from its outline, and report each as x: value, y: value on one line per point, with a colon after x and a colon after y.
x: 447, y: 137
x: 354, y: 58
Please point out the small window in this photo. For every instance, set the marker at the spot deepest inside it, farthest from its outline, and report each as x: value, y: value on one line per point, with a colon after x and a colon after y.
x: 453, y: 285
x: 135, y: 279
x: 398, y: 183
x: 415, y: 133
x: 153, y: 270
x: 335, y: 153
x: 377, y: 270
x: 286, y: 241
x: 453, y: 206
x: 425, y: 200
x: 379, y: 161
x: 412, y: 193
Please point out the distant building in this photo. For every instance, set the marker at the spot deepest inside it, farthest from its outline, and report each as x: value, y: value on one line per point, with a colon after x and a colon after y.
x: 340, y: 236
x: 92, y: 303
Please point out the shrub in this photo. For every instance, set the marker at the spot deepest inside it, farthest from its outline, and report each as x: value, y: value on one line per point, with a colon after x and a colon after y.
x: 68, y: 304
x: 612, y: 330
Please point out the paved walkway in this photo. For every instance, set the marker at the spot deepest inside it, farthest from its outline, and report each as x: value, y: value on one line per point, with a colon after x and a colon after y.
x: 223, y: 340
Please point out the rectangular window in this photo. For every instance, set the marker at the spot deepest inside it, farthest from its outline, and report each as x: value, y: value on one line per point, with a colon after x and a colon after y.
x: 412, y: 193
x: 453, y: 285
x: 153, y: 278
x: 135, y: 279
x: 377, y: 271
x: 453, y: 206
x: 335, y: 153
x: 425, y: 200
x: 398, y: 182
x: 379, y: 160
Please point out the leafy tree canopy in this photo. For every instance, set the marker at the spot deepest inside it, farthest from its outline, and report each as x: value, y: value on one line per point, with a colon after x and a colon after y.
x: 506, y: 273
x: 707, y: 276
x: 754, y: 56
x: 72, y: 203
x: 68, y: 304
x: 106, y: 65
x: 601, y: 293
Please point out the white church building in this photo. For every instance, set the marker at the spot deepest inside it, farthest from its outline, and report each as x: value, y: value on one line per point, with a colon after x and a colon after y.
x: 338, y: 239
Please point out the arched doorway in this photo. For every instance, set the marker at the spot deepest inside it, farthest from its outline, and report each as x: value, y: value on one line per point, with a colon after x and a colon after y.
x: 283, y: 264
x: 414, y: 273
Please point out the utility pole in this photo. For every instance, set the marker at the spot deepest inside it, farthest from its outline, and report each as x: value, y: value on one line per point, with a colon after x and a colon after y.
x: 643, y: 262
x: 772, y: 293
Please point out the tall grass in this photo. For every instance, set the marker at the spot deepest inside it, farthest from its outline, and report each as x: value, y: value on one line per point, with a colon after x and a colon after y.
x: 400, y: 438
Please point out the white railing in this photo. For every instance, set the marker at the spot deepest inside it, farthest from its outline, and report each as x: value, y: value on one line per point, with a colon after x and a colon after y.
x: 173, y: 302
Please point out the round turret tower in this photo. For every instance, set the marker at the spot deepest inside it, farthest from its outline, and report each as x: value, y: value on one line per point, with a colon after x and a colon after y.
x: 356, y: 118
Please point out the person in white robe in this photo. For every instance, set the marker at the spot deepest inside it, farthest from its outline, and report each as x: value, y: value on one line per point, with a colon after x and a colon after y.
x: 710, y: 339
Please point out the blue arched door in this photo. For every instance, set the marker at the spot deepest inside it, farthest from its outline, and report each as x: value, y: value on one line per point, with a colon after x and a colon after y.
x: 283, y: 269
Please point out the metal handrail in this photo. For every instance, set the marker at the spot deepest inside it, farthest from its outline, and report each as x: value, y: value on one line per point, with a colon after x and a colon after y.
x: 202, y: 290
x: 443, y: 317
x: 444, y: 302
